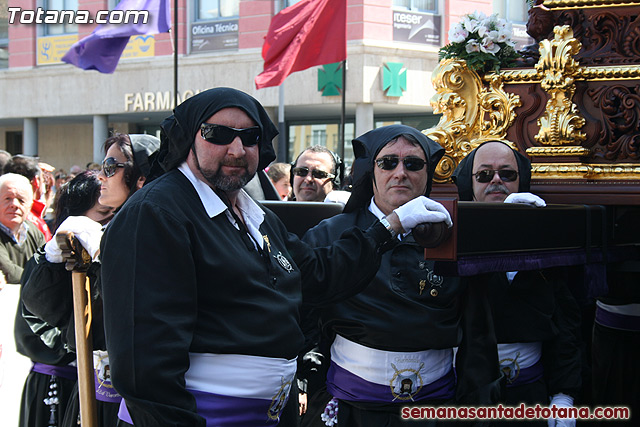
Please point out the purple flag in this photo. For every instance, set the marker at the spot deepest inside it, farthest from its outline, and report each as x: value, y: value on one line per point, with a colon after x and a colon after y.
x: 101, y: 50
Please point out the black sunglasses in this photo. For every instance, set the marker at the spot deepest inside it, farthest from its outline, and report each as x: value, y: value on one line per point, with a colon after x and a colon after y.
x: 303, y: 171
x: 411, y: 163
x: 224, y: 135
x: 486, y: 175
x: 110, y: 166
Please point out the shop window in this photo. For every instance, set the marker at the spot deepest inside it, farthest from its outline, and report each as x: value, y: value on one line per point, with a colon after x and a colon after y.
x: 304, y: 135
x: 214, y: 9
x: 14, y: 142
x: 65, y: 28
x: 4, y: 35
x: 430, y: 6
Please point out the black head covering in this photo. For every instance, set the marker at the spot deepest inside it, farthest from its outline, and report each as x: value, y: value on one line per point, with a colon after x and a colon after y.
x: 180, y: 129
x: 366, y: 147
x: 463, y: 174
x: 145, y: 148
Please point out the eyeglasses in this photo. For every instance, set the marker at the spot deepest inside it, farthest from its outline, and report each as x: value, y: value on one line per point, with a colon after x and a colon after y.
x: 224, y: 135
x: 110, y: 166
x: 486, y: 175
x: 315, y: 173
x: 411, y: 163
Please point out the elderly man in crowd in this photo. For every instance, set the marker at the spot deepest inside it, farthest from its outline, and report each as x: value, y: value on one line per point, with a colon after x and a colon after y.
x: 19, y: 238
x: 392, y: 344
x: 202, y: 287
x: 28, y: 166
x: 536, y: 318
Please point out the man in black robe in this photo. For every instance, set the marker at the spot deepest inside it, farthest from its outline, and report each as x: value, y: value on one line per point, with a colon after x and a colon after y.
x: 391, y: 346
x: 536, y: 318
x: 202, y: 287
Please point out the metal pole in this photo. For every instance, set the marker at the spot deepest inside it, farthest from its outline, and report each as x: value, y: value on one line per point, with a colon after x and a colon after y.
x: 342, y: 113
x: 283, y: 140
x: 175, y: 53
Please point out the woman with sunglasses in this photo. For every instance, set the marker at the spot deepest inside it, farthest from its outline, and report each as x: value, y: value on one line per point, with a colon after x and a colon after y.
x: 47, y: 292
x: 392, y: 344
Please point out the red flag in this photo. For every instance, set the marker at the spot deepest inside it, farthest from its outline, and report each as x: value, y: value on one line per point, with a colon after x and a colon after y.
x: 309, y: 33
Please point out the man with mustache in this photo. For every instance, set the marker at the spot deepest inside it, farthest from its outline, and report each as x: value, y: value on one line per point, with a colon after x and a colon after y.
x: 535, y: 316
x: 202, y: 287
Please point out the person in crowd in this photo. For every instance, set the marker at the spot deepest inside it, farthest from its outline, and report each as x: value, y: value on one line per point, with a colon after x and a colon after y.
x: 47, y: 292
x: 19, y: 238
x: 202, y: 287
x: 75, y: 170
x: 52, y: 379
x: 28, y: 167
x: 280, y: 175
x: 50, y: 187
x: 5, y: 156
x: 316, y: 172
x: 536, y: 318
x: 392, y: 345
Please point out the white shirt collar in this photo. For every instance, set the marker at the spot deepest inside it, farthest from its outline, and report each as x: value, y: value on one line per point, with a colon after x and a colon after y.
x: 251, y: 213
x: 374, y: 209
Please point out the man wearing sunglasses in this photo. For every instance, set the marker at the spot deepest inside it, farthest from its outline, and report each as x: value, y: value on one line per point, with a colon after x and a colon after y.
x: 534, y: 313
x: 203, y: 287
x: 314, y: 174
x: 392, y: 344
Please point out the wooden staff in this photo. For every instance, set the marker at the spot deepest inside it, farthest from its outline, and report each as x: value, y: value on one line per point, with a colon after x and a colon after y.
x: 78, y: 261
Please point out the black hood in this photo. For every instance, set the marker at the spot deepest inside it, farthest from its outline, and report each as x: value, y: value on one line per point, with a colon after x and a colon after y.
x: 367, y: 147
x: 463, y: 174
x: 179, y: 130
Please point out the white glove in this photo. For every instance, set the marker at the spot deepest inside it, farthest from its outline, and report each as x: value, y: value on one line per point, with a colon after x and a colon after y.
x: 561, y: 401
x: 526, y: 199
x: 337, y: 196
x: 421, y: 210
x: 87, y: 231
x: 52, y: 251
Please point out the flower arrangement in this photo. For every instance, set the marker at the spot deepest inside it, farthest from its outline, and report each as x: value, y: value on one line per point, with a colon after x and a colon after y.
x: 483, y: 41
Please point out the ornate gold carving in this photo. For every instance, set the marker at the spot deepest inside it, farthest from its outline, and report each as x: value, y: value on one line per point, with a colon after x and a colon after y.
x: 561, y: 120
x: 569, y: 4
x: 470, y: 112
x: 585, y: 171
x: 557, y: 151
x: 610, y: 72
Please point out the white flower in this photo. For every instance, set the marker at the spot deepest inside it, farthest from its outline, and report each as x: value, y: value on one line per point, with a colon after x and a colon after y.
x: 488, y: 46
x: 503, y: 36
x: 473, y: 46
x: 470, y: 24
x: 458, y: 34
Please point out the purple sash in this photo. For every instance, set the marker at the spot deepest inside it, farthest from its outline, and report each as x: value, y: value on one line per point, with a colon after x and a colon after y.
x: 68, y: 372
x: 350, y: 387
x: 105, y: 391
x: 527, y: 375
x: 617, y: 320
x: 228, y: 411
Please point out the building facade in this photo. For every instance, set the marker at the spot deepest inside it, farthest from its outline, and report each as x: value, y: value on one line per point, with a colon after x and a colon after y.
x: 63, y: 114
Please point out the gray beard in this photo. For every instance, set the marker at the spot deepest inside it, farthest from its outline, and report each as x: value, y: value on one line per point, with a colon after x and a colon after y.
x: 226, y: 183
